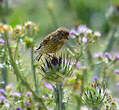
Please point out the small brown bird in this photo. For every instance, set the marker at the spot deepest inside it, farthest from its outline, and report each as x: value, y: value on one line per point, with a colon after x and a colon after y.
x: 52, y: 42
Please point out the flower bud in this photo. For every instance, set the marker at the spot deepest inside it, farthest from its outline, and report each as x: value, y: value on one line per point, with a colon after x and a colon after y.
x: 50, y: 5
x: 28, y: 41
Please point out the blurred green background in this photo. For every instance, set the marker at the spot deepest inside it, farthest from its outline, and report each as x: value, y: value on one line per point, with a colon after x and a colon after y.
x: 49, y: 13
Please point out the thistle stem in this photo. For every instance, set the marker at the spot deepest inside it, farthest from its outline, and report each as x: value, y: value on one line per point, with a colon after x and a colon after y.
x: 111, y: 41
x: 16, y: 49
x: 83, y: 79
x: 59, y: 97
x: 4, y: 70
x: 33, y: 69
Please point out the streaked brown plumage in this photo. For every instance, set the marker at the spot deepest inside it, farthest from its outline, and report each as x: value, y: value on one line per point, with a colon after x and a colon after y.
x: 52, y: 42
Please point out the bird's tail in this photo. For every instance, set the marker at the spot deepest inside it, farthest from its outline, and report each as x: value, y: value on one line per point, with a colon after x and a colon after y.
x: 38, y: 57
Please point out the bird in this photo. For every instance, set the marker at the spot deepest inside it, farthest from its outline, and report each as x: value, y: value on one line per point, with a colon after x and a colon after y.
x: 53, y: 42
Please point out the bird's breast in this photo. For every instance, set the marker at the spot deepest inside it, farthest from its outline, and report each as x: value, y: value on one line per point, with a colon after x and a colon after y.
x: 54, y: 47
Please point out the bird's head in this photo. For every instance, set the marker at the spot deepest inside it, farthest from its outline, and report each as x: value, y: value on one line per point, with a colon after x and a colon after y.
x: 63, y: 33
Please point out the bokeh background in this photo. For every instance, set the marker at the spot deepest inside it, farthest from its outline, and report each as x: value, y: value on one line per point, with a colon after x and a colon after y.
x: 64, y: 13
x: 51, y: 14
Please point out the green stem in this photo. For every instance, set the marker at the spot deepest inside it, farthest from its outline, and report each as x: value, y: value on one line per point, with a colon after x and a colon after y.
x: 18, y: 74
x: 33, y: 69
x: 16, y: 49
x: 59, y: 97
x: 111, y: 41
x: 108, y: 48
x: 4, y: 70
x: 83, y: 79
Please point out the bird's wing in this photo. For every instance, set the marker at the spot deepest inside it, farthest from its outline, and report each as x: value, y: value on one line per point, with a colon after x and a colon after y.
x: 43, y: 43
x: 47, y: 39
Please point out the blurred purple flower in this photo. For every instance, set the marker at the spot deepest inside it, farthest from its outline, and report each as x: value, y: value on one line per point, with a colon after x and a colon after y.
x: 117, y: 100
x: 19, y: 108
x: 78, y: 65
x: 49, y: 86
x: 95, y: 78
x: 117, y: 84
x: 82, y: 29
x: 50, y: 109
x: 2, y: 41
x: 84, y: 40
x: 116, y: 55
x: 7, y: 104
x: 72, y: 32
x: 116, y: 71
x: 27, y: 104
x: 28, y: 94
x: 2, y: 98
x: 98, y: 54
x: 71, y: 61
x: 107, y: 55
x: 2, y: 91
x: 16, y: 93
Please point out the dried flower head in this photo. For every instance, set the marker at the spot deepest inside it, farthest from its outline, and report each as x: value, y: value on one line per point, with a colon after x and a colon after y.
x: 109, y: 102
x: 50, y: 5
x: 18, y: 30
x: 94, y: 95
x: 56, y: 68
x: 29, y: 24
x: 28, y: 41
x: 7, y: 27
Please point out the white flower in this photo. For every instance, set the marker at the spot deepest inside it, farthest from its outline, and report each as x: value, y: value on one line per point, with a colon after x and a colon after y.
x: 89, y: 31
x: 97, y: 34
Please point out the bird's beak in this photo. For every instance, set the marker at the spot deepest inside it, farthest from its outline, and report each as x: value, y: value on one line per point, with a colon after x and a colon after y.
x: 67, y: 37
